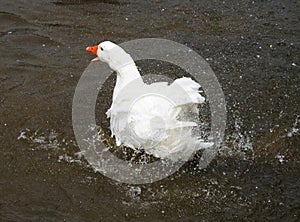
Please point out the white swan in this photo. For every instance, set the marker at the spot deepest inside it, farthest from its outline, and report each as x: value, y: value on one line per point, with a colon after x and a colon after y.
x: 153, y: 117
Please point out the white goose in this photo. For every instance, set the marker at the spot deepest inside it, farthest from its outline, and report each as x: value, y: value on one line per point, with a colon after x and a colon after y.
x: 153, y: 117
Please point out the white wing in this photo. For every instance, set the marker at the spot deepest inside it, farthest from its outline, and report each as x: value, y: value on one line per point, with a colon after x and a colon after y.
x: 153, y: 117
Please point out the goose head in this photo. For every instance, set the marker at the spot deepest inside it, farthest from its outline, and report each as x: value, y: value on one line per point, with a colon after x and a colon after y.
x: 110, y: 53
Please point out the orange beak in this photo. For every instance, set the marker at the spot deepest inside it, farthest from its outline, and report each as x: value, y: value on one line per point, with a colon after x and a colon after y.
x: 93, y: 49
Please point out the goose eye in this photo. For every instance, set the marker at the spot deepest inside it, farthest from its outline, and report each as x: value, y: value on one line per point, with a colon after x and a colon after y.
x: 101, y: 49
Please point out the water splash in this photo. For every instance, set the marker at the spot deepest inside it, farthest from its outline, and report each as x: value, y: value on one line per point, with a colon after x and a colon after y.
x: 280, y: 158
x: 134, y: 192
x: 295, y: 128
x: 68, y: 159
x: 50, y: 140
x: 291, y: 132
x: 42, y: 140
x: 238, y: 142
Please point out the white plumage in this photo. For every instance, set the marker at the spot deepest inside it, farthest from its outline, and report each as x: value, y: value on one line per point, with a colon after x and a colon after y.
x: 156, y: 117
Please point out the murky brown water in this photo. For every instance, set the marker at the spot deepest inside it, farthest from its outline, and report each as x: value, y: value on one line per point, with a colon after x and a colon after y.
x: 252, y: 46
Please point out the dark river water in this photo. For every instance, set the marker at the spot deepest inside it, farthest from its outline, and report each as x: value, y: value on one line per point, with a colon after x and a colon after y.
x: 253, y: 48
